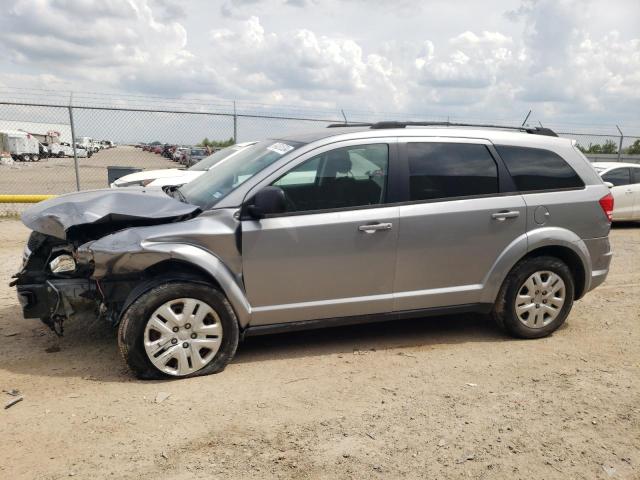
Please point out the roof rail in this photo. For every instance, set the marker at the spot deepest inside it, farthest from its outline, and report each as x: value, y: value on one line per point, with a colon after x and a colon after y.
x: 394, y: 124
x: 338, y: 125
x: 532, y: 130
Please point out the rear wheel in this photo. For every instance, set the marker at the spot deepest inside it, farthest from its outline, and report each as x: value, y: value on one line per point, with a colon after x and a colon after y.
x: 26, y: 158
x: 536, y: 297
x: 178, y: 329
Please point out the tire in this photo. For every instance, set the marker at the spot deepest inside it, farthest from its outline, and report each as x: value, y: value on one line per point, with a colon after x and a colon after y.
x: 26, y: 158
x: 60, y: 154
x: 134, y: 331
x: 543, y: 313
x: 35, y: 158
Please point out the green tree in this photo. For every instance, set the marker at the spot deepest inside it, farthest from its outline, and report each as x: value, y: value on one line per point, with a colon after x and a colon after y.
x: 634, y: 148
x: 609, y: 147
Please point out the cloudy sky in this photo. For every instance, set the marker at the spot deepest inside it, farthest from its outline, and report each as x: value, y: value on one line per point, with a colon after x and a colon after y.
x: 569, y: 61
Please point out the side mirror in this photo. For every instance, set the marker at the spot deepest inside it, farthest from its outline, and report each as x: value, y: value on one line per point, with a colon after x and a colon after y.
x: 609, y: 184
x: 267, y: 201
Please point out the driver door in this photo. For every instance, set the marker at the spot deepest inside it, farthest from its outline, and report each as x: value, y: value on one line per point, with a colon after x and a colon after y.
x: 333, y: 252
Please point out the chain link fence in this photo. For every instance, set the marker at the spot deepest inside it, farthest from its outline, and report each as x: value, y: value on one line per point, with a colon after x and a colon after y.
x: 107, y: 136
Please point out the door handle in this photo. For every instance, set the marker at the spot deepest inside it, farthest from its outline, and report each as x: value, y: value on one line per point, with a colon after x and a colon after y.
x: 628, y: 192
x: 375, y: 227
x: 502, y: 216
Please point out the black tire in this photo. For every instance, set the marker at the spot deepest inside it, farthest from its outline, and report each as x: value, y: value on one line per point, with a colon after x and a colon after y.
x: 138, y: 313
x: 504, y: 310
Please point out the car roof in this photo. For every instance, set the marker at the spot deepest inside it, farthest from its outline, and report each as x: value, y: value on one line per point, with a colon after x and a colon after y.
x: 495, y: 135
x: 614, y: 164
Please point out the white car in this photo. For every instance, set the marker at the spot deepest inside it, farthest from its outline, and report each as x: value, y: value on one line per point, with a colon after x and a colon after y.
x: 624, y: 181
x: 62, y: 149
x: 176, y: 176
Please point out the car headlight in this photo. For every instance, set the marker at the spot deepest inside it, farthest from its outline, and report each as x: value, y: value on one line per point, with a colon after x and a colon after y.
x: 62, y: 264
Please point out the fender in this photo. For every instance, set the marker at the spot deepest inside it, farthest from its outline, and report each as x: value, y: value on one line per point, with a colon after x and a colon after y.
x: 527, y: 243
x: 138, y: 256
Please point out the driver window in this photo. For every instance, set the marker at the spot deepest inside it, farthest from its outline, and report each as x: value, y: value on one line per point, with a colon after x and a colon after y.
x: 345, y: 177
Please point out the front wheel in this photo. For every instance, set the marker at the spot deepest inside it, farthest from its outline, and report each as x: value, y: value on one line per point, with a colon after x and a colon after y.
x: 178, y: 329
x: 536, y: 297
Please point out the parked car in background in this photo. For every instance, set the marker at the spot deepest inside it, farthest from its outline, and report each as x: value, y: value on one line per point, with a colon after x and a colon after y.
x: 175, y: 176
x: 179, y: 154
x: 62, y: 149
x: 399, y: 221
x: 194, y: 155
x: 623, y: 179
x: 83, y: 152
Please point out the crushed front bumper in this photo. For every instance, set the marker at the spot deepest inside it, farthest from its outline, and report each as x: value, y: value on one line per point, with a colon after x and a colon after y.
x: 59, y: 297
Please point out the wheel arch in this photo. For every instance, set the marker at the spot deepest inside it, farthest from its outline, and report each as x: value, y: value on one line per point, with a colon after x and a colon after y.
x: 161, y: 261
x: 554, y: 241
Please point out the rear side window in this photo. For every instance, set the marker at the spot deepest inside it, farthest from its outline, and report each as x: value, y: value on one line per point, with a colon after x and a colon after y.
x: 538, y: 169
x: 446, y: 170
x: 618, y: 176
x: 635, y: 173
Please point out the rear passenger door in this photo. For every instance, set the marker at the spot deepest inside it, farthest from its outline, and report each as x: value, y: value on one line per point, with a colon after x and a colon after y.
x: 455, y: 224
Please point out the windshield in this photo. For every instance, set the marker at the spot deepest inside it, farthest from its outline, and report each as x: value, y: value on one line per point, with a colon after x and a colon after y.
x: 224, y: 177
x: 208, y: 162
x: 198, y: 152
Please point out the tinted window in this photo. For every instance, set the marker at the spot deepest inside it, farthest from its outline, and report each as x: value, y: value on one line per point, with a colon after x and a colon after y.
x: 618, y: 176
x: 635, y: 174
x: 538, y: 169
x: 443, y: 170
x: 344, y: 177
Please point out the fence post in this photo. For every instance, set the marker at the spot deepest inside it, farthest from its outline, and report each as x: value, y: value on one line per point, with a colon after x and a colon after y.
x: 73, y: 144
x: 235, y: 123
x: 620, y: 145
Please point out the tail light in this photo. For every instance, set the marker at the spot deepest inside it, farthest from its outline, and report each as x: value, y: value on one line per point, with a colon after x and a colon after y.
x: 606, y: 203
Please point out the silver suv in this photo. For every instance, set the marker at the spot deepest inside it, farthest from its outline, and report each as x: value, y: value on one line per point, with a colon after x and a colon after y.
x: 340, y: 226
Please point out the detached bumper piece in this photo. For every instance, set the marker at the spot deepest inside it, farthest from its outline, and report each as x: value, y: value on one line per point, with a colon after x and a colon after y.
x: 56, y: 300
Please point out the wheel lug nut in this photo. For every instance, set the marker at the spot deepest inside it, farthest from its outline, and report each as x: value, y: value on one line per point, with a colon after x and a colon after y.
x: 537, y: 305
x: 174, y: 341
x: 175, y: 329
x: 185, y: 345
x: 194, y: 335
x: 544, y: 293
x: 187, y: 326
x: 544, y: 301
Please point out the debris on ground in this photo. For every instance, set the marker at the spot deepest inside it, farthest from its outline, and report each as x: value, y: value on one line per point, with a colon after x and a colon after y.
x: 162, y: 396
x: 14, y: 392
x: 12, y: 402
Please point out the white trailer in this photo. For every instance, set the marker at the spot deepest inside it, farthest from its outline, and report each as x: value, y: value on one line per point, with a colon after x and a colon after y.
x: 22, y: 146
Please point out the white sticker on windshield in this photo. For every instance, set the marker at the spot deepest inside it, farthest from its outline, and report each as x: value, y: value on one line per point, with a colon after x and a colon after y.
x: 280, y: 148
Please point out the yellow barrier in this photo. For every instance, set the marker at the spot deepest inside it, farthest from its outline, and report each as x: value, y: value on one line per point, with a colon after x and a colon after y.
x: 24, y: 198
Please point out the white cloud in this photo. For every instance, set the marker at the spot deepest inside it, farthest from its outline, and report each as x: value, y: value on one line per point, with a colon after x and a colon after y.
x: 549, y: 55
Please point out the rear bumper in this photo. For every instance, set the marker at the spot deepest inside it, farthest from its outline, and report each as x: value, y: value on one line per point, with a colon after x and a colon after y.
x: 601, y: 254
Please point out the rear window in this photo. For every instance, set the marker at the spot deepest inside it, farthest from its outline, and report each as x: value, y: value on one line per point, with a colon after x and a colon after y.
x: 449, y: 170
x: 538, y: 169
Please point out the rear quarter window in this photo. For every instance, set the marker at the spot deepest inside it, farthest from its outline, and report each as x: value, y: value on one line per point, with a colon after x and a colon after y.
x: 534, y: 169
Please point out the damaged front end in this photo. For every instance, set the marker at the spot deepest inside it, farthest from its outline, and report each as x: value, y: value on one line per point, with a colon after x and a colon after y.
x: 57, y: 280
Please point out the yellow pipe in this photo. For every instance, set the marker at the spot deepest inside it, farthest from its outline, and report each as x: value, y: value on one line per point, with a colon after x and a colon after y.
x: 24, y: 198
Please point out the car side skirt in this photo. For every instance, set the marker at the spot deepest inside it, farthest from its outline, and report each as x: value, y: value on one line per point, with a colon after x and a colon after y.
x: 250, y: 331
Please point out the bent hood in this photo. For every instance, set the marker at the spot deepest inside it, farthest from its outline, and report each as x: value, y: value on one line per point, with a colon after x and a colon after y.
x: 95, y: 213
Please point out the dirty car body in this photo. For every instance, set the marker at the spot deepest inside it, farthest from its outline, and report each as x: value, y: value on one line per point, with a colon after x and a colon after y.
x: 341, y: 226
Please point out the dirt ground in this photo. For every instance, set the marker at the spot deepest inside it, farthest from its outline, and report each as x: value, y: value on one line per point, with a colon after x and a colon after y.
x: 431, y: 398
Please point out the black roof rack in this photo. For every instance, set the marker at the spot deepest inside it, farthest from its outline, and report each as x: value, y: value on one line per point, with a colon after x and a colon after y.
x: 356, y: 124
x: 394, y: 124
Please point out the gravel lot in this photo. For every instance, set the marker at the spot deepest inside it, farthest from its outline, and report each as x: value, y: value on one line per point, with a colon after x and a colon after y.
x: 434, y: 398
x: 57, y: 175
